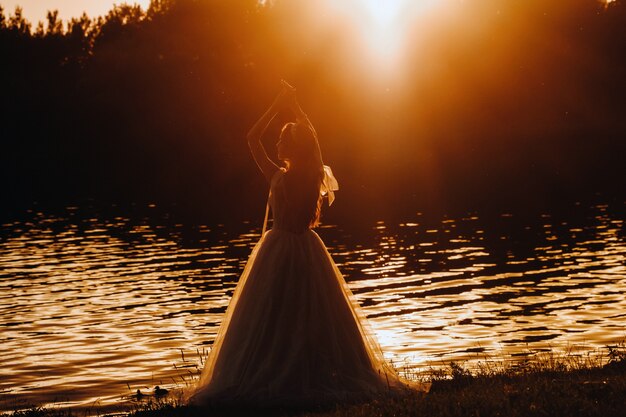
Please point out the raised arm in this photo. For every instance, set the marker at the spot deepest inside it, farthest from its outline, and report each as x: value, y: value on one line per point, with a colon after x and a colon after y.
x: 294, y: 106
x: 265, y: 164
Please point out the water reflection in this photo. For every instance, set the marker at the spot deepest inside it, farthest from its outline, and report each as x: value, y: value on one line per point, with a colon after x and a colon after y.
x: 93, y: 307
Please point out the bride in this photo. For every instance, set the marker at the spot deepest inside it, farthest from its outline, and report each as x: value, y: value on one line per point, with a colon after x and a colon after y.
x: 293, y: 333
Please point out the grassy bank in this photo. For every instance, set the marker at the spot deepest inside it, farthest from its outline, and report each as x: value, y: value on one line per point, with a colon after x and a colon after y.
x: 544, y: 384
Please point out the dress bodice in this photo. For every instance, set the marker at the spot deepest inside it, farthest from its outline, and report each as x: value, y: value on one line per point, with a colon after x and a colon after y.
x: 284, y: 217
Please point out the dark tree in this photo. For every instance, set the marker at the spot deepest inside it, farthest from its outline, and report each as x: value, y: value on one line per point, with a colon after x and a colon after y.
x: 154, y: 105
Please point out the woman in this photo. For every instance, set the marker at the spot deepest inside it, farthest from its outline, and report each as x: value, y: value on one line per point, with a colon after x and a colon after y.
x: 293, y: 333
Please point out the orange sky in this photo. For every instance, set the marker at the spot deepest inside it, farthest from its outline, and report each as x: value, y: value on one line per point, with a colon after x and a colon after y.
x: 35, y: 10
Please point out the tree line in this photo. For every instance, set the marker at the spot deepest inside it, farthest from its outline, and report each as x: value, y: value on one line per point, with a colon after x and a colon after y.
x: 153, y: 105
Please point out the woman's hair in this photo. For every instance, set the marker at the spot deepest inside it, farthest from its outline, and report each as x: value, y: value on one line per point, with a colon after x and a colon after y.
x: 304, y: 174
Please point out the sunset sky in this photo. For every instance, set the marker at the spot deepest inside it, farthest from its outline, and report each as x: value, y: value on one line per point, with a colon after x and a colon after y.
x: 35, y: 10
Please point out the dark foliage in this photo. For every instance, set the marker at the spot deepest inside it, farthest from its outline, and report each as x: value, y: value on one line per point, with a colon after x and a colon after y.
x: 154, y: 105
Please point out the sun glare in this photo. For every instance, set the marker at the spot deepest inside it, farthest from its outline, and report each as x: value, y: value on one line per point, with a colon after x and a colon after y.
x: 381, y: 27
x: 384, y: 28
x: 383, y: 14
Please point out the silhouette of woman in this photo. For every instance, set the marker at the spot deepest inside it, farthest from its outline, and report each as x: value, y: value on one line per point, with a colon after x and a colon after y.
x: 293, y: 333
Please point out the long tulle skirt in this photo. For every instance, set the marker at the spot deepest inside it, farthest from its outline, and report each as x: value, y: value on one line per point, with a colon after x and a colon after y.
x: 293, y: 333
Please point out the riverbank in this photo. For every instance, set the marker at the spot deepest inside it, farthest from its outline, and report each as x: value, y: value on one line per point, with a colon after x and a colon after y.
x: 539, y: 385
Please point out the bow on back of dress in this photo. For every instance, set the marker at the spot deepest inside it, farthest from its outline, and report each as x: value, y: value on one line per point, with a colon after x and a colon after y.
x: 329, y: 185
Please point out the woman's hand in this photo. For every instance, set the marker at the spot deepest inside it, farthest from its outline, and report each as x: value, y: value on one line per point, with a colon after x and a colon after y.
x: 288, y: 86
x: 291, y: 101
x: 286, y: 99
x: 290, y: 92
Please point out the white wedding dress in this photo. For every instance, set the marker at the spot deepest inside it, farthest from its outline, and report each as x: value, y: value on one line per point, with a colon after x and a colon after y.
x: 293, y: 333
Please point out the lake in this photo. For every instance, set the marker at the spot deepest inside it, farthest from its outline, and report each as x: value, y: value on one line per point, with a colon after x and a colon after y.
x: 97, y: 304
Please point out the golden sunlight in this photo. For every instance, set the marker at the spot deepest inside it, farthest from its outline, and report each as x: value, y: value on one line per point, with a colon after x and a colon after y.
x: 382, y: 27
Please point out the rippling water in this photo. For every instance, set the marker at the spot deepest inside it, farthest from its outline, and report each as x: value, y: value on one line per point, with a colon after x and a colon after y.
x: 94, y: 307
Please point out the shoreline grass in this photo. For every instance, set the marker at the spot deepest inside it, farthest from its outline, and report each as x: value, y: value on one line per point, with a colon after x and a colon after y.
x: 540, y: 384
